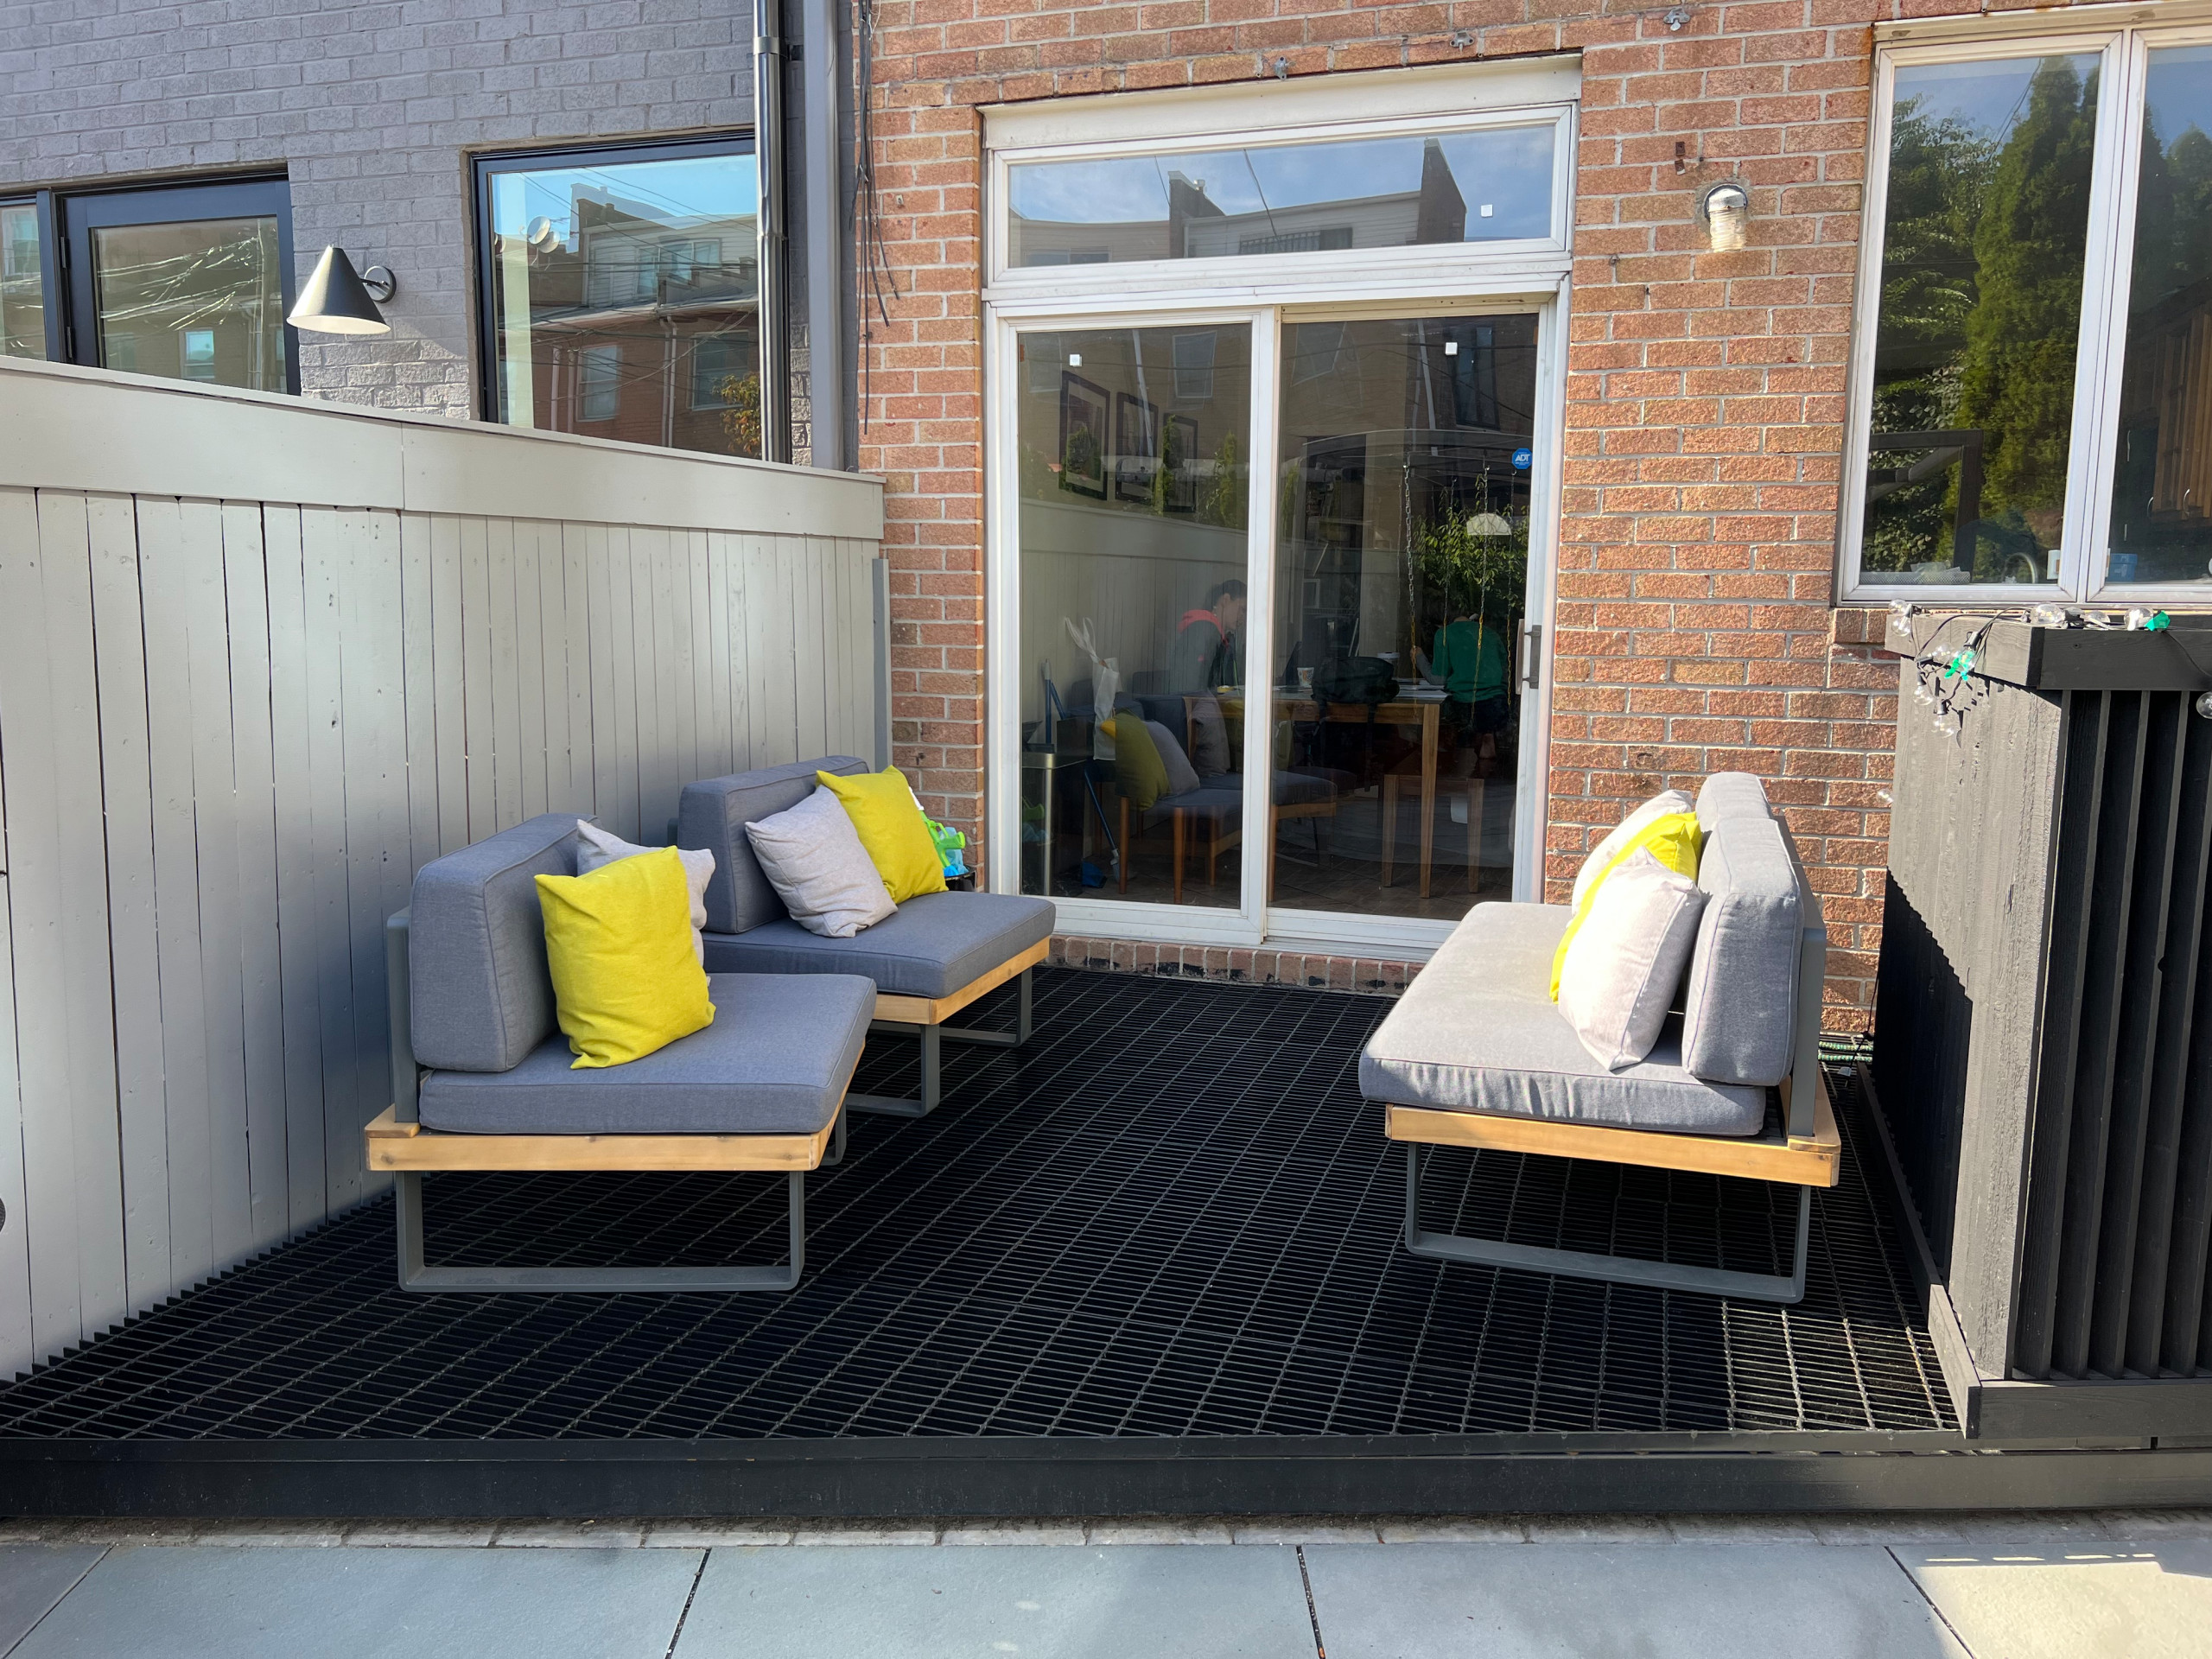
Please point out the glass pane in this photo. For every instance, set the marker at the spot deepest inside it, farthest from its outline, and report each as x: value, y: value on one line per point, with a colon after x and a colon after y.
x: 200, y: 301
x: 625, y: 301
x: 1135, y: 473
x: 1401, y: 581
x: 22, y: 284
x: 1313, y: 198
x: 2162, y: 471
x: 1981, y: 308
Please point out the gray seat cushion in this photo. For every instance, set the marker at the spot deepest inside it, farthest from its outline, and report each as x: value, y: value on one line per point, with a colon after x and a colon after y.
x: 1476, y: 1031
x: 932, y: 947
x: 1222, y: 796
x: 1739, y: 1011
x: 776, y: 1061
x: 1729, y: 795
x: 482, y: 999
x: 713, y: 814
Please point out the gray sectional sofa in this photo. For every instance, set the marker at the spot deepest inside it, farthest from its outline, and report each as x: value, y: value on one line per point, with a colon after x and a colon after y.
x: 1477, y: 1053
x: 481, y: 1076
x: 935, y: 956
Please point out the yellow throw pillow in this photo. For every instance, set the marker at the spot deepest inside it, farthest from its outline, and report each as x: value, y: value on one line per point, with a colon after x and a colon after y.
x: 889, y: 822
x: 1673, y: 838
x: 1139, y: 773
x: 619, y: 944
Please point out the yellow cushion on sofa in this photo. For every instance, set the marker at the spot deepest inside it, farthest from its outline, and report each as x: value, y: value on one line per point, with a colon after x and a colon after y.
x: 1673, y: 839
x: 1139, y: 773
x: 617, y: 943
x: 889, y: 822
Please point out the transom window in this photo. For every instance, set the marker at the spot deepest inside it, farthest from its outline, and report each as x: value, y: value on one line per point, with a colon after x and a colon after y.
x: 2032, y: 405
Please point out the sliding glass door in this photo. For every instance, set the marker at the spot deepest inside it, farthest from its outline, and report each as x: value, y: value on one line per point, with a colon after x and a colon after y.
x: 1400, y: 594
x: 1132, y: 543
x: 1296, y: 699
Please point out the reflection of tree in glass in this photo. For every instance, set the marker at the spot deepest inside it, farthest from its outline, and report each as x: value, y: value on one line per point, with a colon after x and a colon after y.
x: 1939, y: 169
x: 742, y: 414
x: 2016, y: 382
x: 1081, y: 460
x: 2173, y: 217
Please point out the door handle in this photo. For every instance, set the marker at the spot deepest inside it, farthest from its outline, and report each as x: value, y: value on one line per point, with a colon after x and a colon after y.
x: 1532, y: 644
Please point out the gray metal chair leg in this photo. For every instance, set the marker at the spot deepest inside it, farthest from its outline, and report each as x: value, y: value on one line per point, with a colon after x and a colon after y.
x: 1014, y: 1038
x: 407, y: 1197
x: 836, y: 1153
x: 1611, y: 1269
x: 892, y: 1106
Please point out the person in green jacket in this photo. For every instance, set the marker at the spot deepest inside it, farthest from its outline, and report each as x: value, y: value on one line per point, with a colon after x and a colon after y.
x: 1469, y: 657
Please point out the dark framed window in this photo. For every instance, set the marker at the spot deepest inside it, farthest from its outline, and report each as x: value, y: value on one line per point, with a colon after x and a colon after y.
x: 619, y: 292
x: 31, y: 284
x: 190, y: 282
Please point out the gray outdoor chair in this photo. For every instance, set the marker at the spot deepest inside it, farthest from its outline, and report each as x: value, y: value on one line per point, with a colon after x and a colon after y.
x: 935, y: 956
x: 1477, y: 1054
x: 481, y: 1078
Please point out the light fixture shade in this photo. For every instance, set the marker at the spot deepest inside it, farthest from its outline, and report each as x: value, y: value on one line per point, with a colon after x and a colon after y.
x: 1489, y: 524
x: 336, y: 302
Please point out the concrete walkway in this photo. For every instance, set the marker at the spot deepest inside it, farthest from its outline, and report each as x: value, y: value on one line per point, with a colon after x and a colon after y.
x: 2135, y: 1585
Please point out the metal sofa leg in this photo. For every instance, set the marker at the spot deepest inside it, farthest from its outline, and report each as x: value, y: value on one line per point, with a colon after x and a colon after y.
x: 1014, y: 1038
x: 890, y: 1105
x: 1611, y: 1269
x: 406, y: 1197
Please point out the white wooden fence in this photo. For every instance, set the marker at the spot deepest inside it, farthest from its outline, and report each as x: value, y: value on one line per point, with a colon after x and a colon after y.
x: 259, y: 660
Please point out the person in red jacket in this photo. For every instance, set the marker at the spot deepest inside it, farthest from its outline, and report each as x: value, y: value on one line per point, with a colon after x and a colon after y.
x: 1208, y: 650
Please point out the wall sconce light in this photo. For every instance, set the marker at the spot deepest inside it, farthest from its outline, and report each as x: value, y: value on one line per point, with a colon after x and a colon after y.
x: 339, y: 300
x: 1726, y: 212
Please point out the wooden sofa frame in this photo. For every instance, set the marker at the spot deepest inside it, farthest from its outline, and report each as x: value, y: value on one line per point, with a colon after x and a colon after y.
x: 398, y: 1143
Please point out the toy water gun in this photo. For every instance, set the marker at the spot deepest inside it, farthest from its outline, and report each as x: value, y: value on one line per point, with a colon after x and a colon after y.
x: 949, y: 843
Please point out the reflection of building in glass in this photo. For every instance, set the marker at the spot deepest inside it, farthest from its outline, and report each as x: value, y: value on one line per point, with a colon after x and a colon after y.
x: 23, y: 296
x: 643, y: 326
x: 1196, y: 226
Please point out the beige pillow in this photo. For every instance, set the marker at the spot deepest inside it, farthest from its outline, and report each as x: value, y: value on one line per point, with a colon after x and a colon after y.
x: 814, y: 859
x: 1666, y: 801
x: 1626, y: 960
x: 596, y: 850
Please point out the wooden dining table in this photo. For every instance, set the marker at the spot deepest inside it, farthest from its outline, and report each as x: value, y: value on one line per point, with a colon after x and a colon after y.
x: 1427, y: 713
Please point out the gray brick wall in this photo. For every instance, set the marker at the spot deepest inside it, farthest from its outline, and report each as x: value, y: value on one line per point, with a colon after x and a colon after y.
x: 372, y: 108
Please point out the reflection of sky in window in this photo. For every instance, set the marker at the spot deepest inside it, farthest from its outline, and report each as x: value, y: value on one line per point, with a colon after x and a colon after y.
x: 682, y: 190
x: 1509, y: 168
x: 2179, y: 90
x: 1987, y: 96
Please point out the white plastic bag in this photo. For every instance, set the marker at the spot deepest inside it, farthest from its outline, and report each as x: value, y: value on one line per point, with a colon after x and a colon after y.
x: 1105, y: 682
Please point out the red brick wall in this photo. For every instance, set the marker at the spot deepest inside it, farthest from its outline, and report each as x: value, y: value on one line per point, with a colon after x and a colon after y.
x: 1694, y: 629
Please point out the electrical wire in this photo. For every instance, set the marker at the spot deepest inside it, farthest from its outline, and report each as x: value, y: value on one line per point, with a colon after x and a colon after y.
x: 875, y: 265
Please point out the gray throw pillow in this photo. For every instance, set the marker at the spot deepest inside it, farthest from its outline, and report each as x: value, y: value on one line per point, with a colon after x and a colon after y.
x: 1209, y: 739
x: 596, y: 850
x: 1180, y: 776
x: 812, y: 857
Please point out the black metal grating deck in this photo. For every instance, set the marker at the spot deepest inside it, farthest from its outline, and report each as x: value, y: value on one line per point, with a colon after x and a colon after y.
x: 1171, y: 1215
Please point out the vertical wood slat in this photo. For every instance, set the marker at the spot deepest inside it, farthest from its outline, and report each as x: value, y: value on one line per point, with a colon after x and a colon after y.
x: 245, y: 589
x: 133, y: 933
x: 298, y: 908
x: 241, y: 728
x: 2160, y: 1251
x: 2088, y: 713
x: 18, y: 1337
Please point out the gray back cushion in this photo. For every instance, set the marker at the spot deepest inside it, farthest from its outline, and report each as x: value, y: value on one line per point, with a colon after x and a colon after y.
x: 482, y: 998
x: 1739, y: 1016
x: 713, y: 815
x: 1729, y: 795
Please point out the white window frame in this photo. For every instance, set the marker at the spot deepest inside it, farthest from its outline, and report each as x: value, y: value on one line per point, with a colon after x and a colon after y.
x: 2124, y: 45
x: 1263, y: 292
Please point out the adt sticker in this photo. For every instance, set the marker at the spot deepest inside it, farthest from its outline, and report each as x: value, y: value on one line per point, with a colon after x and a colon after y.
x: 1521, y: 460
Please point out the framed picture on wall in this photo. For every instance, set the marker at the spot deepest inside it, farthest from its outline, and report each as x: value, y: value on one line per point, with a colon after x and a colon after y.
x: 1179, y: 453
x: 1083, y: 435
x: 1136, y: 447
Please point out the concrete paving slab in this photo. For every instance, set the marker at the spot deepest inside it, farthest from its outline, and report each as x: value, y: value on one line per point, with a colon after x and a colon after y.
x: 997, y: 1533
x: 198, y: 1602
x: 33, y: 1578
x: 1456, y: 1530
x: 1035, y: 1599
x: 1571, y: 1601
x: 716, y: 1535
x: 1160, y: 1529
x: 569, y: 1535
x: 2144, y: 1599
